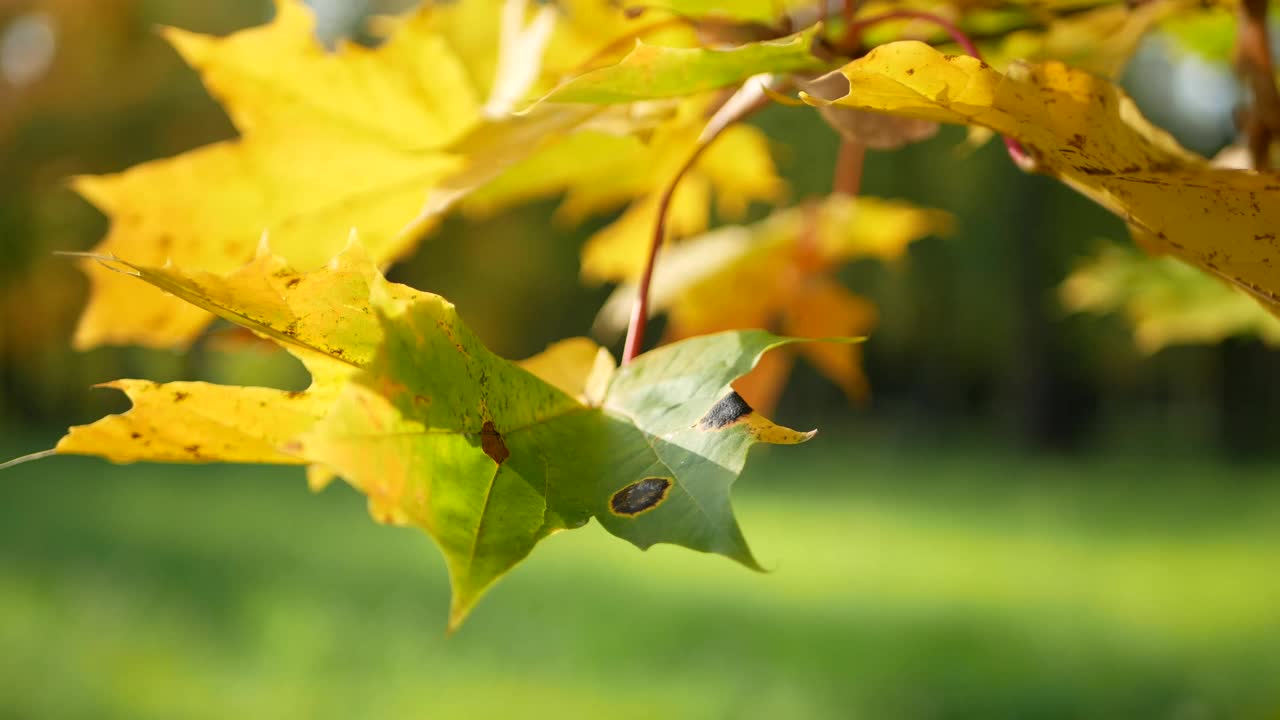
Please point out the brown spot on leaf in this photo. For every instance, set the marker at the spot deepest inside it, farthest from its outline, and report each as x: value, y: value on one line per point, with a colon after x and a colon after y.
x: 294, y: 394
x: 640, y: 497
x: 293, y: 283
x: 731, y: 409
x: 135, y: 435
x: 179, y: 396
x: 193, y: 449
x: 491, y: 443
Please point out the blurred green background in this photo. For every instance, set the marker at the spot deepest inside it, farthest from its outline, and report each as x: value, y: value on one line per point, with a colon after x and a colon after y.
x: 1029, y: 519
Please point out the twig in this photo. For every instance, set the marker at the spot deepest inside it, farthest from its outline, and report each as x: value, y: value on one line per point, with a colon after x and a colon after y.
x: 1253, y: 57
x: 848, y: 175
x: 957, y: 35
x: 850, y: 9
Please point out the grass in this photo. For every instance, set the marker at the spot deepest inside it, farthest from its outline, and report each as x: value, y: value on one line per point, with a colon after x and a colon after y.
x: 908, y: 584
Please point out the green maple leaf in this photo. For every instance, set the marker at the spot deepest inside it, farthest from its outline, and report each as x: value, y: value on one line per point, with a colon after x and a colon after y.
x: 489, y: 459
x: 486, y: 455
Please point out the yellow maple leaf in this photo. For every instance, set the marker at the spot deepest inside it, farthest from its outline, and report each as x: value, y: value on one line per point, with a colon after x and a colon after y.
x: 384, y: 139
x: 1088, y: 133
x: 777, y: 275
x: 329, y: 141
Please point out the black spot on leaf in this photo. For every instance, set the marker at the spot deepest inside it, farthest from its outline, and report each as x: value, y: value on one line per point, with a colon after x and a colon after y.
x: 728, y: 411
x: 492, y: 444
x: 639, y: 497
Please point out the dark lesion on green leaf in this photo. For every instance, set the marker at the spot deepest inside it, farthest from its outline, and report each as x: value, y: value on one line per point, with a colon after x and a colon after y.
x: 492, y: 444
x: 730, y: 410
x: 640, y: 496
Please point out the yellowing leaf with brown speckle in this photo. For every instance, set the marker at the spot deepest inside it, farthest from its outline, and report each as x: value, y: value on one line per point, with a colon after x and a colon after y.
x: 198, y: 422
x: 1085, y: 131
x: 485, y: 455
x: 322, y: 317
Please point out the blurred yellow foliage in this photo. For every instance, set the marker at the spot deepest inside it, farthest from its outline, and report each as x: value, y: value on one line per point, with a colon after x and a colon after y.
x: 777, y: 275
x: 1168, y: 302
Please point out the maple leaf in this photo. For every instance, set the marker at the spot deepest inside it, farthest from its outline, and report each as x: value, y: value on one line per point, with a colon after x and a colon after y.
x: 383, y: 139
x: 1167, y: 302
x: 443, y: 435
x: 1086, y: 132
x: 486, y: 455
x: 787, y: 263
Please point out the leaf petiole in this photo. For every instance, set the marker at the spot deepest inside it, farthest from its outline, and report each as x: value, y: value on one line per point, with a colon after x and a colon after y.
x: 28, y: 458
x: 640, y: 310
x: 749, y: 98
